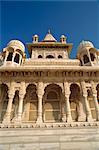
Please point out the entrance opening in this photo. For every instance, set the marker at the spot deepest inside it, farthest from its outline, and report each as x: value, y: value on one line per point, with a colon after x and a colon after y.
x: 74, y: 101
x: 52, y: 101
x: 30, y: 103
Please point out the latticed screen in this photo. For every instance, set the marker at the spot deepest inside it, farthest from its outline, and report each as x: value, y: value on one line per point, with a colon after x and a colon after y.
x: 52, y: 115
x: 52, y: 111
x: 92, y: 107
x: 33, y: 116
x: 33, y: 112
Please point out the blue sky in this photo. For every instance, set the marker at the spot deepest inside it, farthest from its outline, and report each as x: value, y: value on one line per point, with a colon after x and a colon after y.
x: 78, y: 20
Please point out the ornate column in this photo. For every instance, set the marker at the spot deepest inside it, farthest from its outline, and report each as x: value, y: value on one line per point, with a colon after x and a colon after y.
x: 89, y: 56
x: 13, y: 56
x: 20, y: 59
x: 9, y: 107
x: 94, y: 91
x: 88, y: 111
x: 67, y: 94
x: 40, y: 92
x: 6, y: 56
x: 21, y: 98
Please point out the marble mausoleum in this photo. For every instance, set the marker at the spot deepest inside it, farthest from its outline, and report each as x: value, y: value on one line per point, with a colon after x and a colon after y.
x: 49, y: 89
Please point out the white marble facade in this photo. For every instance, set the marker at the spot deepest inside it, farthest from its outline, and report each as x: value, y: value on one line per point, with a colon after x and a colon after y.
x: 49, y: 87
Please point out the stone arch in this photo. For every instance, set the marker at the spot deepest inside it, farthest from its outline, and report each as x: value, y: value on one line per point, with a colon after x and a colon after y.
x: 92, y: 56
x: 52, y: 99
x: 40, y: 56
x: 74, y: 100
x: 3, y: 100
x: 85, y: 59
x: 50, y: 56
x: 56, y: 83
x: 17, y: 58
x: 30, y: 103
x: 60, y: 56
x: 10, y: 55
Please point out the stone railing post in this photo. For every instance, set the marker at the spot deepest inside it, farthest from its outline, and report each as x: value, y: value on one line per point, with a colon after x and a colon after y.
x: 67, y: 94
x: 40, y: 92
x: 87, y: 107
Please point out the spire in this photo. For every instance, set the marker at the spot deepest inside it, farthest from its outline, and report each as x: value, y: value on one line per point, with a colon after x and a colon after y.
x: 49, y: 37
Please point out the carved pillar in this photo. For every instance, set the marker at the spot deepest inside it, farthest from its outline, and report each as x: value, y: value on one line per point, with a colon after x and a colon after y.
x: 40, y: 92
x: 9, y: 107
x: 94, y: 91
x: 67, y: 94
x: 89, y: 56
x: 88, y: 111
x: 20, y: 59
x: 13, y: 56
x: 21, y: 98
x: 6, y: 56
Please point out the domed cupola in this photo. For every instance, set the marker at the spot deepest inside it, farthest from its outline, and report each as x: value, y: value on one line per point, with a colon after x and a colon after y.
x: 87, y: 54
x: 14, y: 52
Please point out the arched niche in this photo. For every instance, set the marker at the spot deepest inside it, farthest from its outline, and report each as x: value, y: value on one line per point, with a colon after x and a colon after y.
x: 92, y: 56
x: 85, y: 59
x: 10, y: 55
x: 40, y: 56
x: 17, y: 58
x: 50, y: 56
x: 30, y: 104
x: 60, y: 56
x: 52, y: 103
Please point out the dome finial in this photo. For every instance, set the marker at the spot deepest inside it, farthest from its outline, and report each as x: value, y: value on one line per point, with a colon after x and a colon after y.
x: 49, y: 31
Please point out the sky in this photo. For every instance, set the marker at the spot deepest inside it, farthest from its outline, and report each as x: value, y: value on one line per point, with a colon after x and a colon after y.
x: 77, y: 20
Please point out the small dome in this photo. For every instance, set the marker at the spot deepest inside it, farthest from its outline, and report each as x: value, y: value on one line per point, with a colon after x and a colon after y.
x: 35, y: 35
x: 85, y: 44
x: 63, y: 36
x: 17, y: 43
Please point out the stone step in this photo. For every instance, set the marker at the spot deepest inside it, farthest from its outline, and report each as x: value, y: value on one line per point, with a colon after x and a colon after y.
x: 84, y: 138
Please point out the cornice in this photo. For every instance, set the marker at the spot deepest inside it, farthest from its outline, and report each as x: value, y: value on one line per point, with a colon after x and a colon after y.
x: 33, y: 46
x: 50, y: 68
